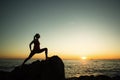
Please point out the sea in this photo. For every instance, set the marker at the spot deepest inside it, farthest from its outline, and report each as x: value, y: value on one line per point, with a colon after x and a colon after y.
x: 74, y: 68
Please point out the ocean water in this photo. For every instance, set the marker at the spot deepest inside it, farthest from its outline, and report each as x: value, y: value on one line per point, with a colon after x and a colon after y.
x: 74, y: 68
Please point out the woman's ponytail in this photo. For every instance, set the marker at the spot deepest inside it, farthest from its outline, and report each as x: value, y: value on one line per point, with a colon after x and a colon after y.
x: 36, y: 36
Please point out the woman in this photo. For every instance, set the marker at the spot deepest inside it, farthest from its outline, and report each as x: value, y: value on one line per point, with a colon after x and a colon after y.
x: 36, y: 48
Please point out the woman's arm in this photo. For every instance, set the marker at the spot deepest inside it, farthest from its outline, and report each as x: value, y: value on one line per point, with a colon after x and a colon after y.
x: 30, y: 45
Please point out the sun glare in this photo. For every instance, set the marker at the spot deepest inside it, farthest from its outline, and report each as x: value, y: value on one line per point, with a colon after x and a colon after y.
x: 83, y: 58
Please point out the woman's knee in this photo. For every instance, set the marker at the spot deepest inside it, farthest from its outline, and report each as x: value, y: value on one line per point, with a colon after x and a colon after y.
x: 46, y: 50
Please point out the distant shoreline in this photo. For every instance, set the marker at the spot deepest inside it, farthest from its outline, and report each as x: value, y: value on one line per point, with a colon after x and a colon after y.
x: 62, y: 59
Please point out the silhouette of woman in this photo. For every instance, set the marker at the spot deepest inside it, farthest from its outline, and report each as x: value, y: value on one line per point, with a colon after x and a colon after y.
x: 36, y: 48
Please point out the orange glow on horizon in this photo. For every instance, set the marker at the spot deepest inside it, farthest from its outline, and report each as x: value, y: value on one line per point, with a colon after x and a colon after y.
x: 64, y: 56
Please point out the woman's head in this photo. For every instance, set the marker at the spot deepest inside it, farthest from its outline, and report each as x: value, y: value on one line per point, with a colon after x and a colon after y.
x: 37, y: 36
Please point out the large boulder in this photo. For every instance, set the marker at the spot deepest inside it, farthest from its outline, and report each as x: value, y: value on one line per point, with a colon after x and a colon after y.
x: 51, y: 69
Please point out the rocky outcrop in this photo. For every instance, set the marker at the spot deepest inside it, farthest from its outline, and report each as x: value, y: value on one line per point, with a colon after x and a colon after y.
x: 51, y: 69
x: 92, y: 77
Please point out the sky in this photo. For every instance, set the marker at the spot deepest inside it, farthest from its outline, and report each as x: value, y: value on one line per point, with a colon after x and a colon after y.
x: 70, y: 29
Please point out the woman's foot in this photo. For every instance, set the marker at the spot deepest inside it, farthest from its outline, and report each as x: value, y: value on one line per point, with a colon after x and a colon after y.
x: 47, y: 58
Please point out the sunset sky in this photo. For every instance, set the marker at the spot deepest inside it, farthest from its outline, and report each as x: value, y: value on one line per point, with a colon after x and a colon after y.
x: 70, y: 29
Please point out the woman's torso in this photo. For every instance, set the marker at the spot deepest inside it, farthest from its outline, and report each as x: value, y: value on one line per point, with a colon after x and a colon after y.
x: 36, y: 45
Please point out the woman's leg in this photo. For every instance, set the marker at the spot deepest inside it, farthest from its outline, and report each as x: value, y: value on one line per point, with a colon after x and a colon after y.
x: 46, y: 51
x: 31, y: 54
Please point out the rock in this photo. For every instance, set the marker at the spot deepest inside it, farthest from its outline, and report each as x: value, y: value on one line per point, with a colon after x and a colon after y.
x: 4, y: 75
x: 51, y: 69
x: 102, y: 77
x: 92, y: 77
x: 86, y: 77
x: 116, y: 78
x: 73, y: 78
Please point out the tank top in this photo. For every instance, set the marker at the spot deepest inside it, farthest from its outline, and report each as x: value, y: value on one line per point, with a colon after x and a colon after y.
x: 36, y: 45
